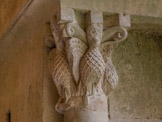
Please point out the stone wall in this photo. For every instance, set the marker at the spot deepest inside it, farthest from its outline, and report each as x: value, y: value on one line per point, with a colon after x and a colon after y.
x: 139, y: 64
x: 27, y: 90
x: 133, y: 7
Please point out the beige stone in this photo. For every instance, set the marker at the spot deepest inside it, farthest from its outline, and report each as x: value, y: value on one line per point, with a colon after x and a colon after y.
x: 26, y: 86
x: 81, y: 65
x: 150, y: 8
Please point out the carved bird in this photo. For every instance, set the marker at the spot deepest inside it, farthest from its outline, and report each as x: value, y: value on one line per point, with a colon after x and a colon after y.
x: 92, y: 64
x: 61, y: 75
x: 59, y: 67
x: 111, y: 36
x: 90, y: 58
x: 75, y: 47
x: 110, y: 77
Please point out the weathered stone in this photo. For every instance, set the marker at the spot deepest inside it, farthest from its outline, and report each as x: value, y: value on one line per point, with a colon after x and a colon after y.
x: 26, y: 86
x: 121, y: 20
x: 81, y: 66
x: 150, y: 8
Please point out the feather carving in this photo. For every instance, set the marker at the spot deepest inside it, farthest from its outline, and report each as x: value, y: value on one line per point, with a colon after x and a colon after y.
x: 59, y: 69
x: 92, y: 71
x: 92, y: 64
x: 75, y: 49
x: 61, y: 75
x: 110, y: 77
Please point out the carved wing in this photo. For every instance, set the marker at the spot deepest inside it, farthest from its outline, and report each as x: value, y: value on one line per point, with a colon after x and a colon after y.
x: 61, y: 74
x: 111, y: 36
x: 75, y: 49
x: 76, y: 46
x: 111, y: 77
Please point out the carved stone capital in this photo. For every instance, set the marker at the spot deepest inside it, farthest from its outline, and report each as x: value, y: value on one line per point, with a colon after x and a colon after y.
x: 81, y: 65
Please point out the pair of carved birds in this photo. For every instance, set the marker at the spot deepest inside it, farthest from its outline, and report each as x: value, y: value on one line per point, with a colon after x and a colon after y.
x: 81, y: 62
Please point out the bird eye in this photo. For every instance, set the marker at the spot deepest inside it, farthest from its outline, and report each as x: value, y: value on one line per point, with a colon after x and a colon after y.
x: 93, y: 31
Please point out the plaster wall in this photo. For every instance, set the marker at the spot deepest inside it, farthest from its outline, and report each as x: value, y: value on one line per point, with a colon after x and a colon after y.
x: 9, y: 11
x: 21, y: 63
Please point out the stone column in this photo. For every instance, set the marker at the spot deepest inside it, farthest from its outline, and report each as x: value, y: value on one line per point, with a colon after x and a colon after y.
x: 80, y: 62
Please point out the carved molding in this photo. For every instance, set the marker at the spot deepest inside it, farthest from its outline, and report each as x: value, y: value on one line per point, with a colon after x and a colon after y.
x: 81, y: 64
x: 115, y: 34
x: 74, y: 30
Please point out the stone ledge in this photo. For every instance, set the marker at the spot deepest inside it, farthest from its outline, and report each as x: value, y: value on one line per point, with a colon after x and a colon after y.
x: 150, y: 8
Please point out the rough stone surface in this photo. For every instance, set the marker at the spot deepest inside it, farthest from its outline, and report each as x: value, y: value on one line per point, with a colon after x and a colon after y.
x: 139, y: 64
x: 146, y: 24
x: 133, y: 7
